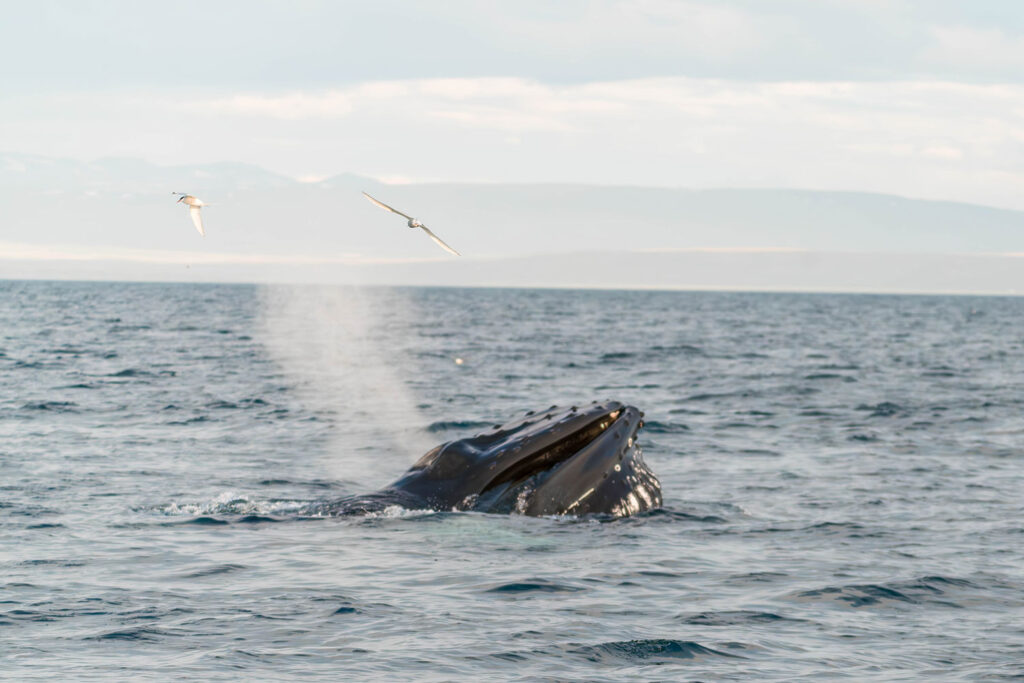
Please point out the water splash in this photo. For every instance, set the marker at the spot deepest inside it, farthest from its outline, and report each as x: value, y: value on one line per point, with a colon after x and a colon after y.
x: 232, y: 503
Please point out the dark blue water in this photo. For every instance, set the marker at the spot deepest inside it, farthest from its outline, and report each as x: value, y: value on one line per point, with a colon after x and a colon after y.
x: 842, y: 479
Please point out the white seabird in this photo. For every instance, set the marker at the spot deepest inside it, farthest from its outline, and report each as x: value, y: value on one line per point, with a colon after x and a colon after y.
x: 194, y: 204
x: 414, y: 223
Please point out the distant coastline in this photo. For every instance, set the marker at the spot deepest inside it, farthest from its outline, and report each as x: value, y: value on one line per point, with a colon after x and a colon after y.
x: 110, y: 219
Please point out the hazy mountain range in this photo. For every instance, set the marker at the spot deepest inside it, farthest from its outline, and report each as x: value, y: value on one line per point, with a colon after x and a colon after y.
x: 117, y: 218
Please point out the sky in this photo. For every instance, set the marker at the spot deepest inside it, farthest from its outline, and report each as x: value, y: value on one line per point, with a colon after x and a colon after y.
x: 920, y: 99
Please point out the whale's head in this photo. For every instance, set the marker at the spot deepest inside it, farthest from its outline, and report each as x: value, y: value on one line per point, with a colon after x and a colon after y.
x: 561, y: 461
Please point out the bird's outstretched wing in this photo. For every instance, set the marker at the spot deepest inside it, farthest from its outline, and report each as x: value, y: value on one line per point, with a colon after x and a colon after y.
x: 439, y: 241
x: 197, y: 219
x: 385, y: 206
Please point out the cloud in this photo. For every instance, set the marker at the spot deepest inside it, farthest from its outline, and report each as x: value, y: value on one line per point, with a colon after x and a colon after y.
x: 711, y: 31
x: 307, y: 46
x: 943, y: 152
x: 974, y: 47
x: 293, y: 106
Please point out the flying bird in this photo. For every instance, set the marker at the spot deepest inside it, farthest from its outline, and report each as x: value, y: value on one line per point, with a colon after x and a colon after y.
x: 194, y: 204
x: 414, y: 223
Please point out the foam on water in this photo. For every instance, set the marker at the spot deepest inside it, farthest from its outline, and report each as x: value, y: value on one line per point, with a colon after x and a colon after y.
x: 231, y: 503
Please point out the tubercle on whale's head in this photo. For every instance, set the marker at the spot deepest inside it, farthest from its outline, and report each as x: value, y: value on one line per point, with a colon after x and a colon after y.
x: 503, y: 446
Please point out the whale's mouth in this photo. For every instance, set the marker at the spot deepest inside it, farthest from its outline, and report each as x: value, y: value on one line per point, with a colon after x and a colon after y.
x: 553, y: 455
x: 575, y: 461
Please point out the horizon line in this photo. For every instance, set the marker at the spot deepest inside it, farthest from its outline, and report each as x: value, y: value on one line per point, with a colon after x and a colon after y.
x: 28, y: 251
x: 697, y: 289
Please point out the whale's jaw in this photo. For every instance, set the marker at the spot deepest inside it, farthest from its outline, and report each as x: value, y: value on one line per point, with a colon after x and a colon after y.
x: 608, y: 476
x: 562, y: 461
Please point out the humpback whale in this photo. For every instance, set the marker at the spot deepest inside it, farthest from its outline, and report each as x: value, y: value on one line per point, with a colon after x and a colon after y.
x: 560, y: 461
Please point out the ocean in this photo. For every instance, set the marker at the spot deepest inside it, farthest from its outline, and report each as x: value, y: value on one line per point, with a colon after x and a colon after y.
x: 842, y: 479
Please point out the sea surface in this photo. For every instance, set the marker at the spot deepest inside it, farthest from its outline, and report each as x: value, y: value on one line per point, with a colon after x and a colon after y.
x: 843, y: 480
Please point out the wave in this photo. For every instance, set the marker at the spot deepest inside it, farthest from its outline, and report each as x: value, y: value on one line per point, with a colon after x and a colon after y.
x: 345, y: 609
x: 735, y: 618
x: 192, y: 420
x: 232, y: 405
x: 212, y: 571
x: 680, y: 516
x: 924, y: 590
x: 679, y: 349
x: 865, y: 438
x: 138, y: 634
x: 883, y: 409
x: 534, y: 586
x: 648, y: 651
x: 456, y: 425
x: 131, y: 372
x: 829, y: 375
x: 54, y: 406
x: 53, y: 563
x: 657, y: 427
x: 65, y: 351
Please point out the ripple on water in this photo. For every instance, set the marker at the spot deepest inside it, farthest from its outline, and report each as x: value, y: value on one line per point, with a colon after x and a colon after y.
x: 862, y: 529
x: 457, y: 425
x: 934, y: 590
x: 52, y: 406
x: 529, y: 586
x: 883, y: 409
x: 213, y: 570
x: 735, y: 618
x: 656, y: 427
x: 675, y: 515
x: 656, y: 651
x: 59, y: 562
x: 132, y: 634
